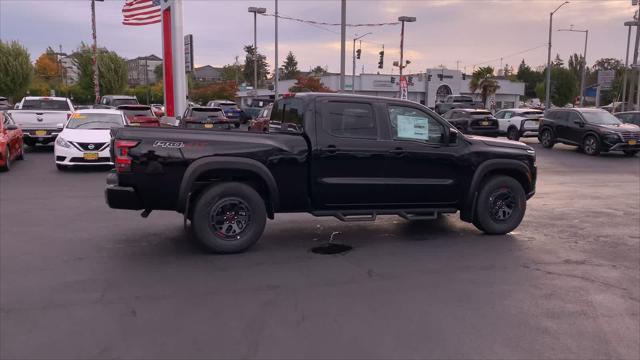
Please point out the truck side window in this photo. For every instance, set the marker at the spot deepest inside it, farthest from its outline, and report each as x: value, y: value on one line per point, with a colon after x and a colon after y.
x: 413, y: 124
x: 287, y: 116
x: 346, y: 119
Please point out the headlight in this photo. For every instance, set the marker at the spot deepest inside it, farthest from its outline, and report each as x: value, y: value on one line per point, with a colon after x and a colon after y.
x: 62, y: 142
x: 612, y: 137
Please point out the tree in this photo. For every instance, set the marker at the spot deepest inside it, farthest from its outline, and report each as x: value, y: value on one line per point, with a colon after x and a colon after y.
x: 616, y: 87
x: 248, y: 66
x: 308, y: 84
x: 233, y: 72
x: 112, y: 71
x: 318, y: 71
x: 531, y: 78
x: 575, y: 64
x: 47, y: 66
x: 218, y: 90
x: 16, y: 70
x: 564, y: 87
x: 290, y: 67
x: 557, y: 62
x: 482, y: 80
x: 158, y: 72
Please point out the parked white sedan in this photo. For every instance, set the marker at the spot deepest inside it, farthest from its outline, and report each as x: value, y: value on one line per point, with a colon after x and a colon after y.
x: 85, y: 138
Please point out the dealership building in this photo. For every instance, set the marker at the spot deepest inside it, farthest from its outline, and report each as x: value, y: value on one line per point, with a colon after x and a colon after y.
x: 427, y: 87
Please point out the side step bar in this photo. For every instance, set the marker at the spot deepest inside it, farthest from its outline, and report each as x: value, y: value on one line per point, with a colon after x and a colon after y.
x: 371, y: 215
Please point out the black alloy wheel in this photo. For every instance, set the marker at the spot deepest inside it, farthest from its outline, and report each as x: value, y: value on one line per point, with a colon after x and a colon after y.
x: 546, y: 139
x: 513, y: 134
x: 591, y: 146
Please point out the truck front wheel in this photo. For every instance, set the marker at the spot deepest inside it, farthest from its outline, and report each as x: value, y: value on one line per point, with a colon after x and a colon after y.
x: 229, y: 217
x: 501, y: 205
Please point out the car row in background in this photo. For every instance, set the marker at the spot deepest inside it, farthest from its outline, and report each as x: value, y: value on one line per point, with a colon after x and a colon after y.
x: 41, y: 118
x: 11, y: 142
x: 473, y: 121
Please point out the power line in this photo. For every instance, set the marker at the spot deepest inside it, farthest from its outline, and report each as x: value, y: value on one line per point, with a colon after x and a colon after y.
x: 330, y: 24
x: 509, y: 55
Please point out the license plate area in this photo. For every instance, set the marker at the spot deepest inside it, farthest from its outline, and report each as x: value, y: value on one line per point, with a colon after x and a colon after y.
x: 484, y: 123
x: 208, y: 126
x: 91, y: 156
x: 632, y: 142
x: 41, y: 132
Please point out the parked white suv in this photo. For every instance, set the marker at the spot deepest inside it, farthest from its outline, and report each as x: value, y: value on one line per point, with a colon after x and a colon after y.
x: 517, y: 123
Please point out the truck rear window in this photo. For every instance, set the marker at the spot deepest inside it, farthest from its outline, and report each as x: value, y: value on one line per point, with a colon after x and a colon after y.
x: 204, y: 114
x: 45, y: 104
x: 118, y: 102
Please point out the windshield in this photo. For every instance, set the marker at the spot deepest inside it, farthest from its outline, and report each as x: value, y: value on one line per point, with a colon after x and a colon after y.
x: 600, y: 118
x: 228, y: 106
x: 45, y: 104
x: 118, y: 102
x: 136, y: 112
x: 94, y: 121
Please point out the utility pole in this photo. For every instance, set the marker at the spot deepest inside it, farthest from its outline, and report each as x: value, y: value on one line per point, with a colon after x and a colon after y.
x: 146, y: 78
x: 353, y: 74
x: 343, y: 35
x: 402, y: 20
x: 547, y: 103
x: 96, y: 82
x: 277, y: 72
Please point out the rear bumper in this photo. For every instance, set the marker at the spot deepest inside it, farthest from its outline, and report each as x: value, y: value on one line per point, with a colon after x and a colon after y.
x: 121, y: 197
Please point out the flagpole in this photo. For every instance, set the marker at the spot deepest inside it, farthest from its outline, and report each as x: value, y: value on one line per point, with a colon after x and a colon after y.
x: 175, y: 80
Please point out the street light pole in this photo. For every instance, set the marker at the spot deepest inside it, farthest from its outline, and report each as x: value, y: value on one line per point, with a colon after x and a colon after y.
x: 402, y: 20
x: 548, y: 87
x: 343, y: 34
x: 353, y: 73
x: 584, y: 65
x: 628, y: 24
x: 255, y: 11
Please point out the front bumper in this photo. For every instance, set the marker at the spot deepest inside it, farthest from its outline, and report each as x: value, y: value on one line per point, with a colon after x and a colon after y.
x: 74, y: 157
x: 624, y: 146
x: 121, y: 197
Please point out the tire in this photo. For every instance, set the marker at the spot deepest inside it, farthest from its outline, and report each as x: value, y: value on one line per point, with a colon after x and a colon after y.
x: 513, y: 133
x: 591, y: 145
x: 237, y: 125
x: 7, y: 162
x: 546, y: 138
x: 630, y: 153
x: 21, y: 156
x: 29, y: 142
x: 232, y: 200
x: 501, y: 205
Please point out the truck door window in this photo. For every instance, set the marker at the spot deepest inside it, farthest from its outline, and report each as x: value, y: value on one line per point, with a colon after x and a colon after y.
x: 346, y: 119
x: 287, y: 116
x: 412, y: 124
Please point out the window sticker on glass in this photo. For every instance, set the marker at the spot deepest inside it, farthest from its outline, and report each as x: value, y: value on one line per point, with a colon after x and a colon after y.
x: 412, y: 127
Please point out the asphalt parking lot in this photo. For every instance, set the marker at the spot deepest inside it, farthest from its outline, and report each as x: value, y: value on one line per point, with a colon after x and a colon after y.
x: 79, y: 280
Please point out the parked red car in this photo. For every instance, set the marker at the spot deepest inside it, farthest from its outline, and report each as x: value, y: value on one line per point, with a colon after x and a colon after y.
x: 11, y: 145
x: 139, y: 115
x: 261, y: 122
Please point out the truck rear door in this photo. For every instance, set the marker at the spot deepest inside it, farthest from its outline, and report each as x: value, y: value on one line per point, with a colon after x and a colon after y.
x: 347, y: 159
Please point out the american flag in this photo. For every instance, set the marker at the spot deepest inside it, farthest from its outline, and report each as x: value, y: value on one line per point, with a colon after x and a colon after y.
x: 141, y: 12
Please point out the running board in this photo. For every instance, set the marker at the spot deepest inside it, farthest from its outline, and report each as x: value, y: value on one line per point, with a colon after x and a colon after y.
x: 371, y: 215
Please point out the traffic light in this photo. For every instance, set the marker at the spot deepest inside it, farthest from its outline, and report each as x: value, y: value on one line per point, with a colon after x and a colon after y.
x: 381, y: 61
x: 358, y: 52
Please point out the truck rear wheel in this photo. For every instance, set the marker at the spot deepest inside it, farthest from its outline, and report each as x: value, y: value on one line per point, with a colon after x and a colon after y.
x: 501, y: 205
x: 229, y: 217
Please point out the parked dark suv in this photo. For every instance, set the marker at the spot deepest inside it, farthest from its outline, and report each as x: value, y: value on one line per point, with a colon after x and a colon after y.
x: 592, y: 130
x: 473, y: 121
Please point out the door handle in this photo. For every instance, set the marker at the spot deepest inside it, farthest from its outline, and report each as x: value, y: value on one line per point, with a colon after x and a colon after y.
x: 331, y: 149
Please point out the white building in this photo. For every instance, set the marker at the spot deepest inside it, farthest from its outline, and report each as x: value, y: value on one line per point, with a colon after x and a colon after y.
x: 136, y: 70
x: 70, y: 70
x: 426, y: 88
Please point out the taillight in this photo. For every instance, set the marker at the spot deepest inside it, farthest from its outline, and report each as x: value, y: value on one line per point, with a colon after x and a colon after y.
x: 122, y: 158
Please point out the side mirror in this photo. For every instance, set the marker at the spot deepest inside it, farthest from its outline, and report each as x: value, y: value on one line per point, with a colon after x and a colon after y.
x: 60, y: 125
x: 11, y: 127
x: 453, y: 137
x: 579, y: 122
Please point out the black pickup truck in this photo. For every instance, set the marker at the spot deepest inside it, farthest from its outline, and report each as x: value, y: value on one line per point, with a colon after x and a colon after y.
x: 352, y: 157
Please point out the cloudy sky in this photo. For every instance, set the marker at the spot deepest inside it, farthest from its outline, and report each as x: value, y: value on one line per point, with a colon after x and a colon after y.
x: 470, y: 32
